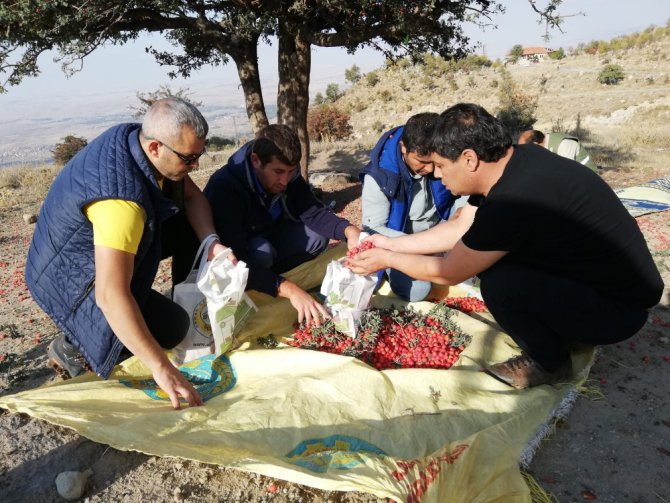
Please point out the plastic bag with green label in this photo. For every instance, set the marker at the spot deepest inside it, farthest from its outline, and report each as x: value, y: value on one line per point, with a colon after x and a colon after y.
x: 229, y: 308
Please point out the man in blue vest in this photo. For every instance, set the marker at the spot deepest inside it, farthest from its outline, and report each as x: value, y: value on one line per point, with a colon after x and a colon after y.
x: 100, y: 235
x: 401, y: 196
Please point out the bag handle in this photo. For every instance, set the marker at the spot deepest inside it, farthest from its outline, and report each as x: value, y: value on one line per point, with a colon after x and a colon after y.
x: 204, y: 246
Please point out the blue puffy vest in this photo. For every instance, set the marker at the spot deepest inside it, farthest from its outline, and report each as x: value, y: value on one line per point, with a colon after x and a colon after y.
x: 60, y: 270
x: 393, y: 177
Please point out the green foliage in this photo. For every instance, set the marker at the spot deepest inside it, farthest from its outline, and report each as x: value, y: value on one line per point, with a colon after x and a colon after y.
x: 515, y: 52
x: 67, y: 149
x: 219, y: 142
x: 353, y: 74
x: 386, y: 96
x: 149, y: 98
x: 517, y: 109
x: 319, y: 99
x: 333, y: 93
x: 611, y: 75
x: 372, y: 79
x: 625, y: 42
x: 557, y: 54
x: 378, y: 126
x: 328, y: 123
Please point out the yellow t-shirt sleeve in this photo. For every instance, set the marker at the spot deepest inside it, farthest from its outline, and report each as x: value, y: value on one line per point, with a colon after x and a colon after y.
x: 117, y: 224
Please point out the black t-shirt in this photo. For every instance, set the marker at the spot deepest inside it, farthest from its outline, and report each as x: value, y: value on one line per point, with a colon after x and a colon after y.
x: 557, y: 216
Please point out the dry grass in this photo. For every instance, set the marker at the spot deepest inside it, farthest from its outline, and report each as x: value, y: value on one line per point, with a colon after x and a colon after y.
x: 625, y: 126
x: 24, y: 187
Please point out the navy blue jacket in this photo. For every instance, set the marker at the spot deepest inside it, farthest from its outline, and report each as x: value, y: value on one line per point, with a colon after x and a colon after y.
x: 240, y: 213
x: 60, y: 270
x: 388, y: 169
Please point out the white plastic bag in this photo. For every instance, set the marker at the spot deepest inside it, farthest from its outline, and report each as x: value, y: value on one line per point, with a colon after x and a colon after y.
x: 198, y: 341
x: 347, y: 294
x: 229, y: 308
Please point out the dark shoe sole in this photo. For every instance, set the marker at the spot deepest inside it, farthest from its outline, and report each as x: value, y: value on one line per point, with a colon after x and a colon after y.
x: 58, y: 368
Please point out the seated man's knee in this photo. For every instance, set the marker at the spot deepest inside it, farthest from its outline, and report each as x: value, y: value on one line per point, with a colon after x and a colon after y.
x: 261, y: 251
x: 316, y: 245
x: 407, y: 288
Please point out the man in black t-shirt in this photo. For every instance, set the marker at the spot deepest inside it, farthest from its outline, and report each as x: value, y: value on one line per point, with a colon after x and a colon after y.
x: 561, y: 261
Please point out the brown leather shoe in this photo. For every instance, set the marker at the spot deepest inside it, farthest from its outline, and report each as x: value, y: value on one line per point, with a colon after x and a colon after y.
x: 523, y: 372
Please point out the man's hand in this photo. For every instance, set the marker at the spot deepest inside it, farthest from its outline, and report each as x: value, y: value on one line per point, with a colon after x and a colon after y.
x: 352, y: 233
x: 380, y: 241
x: 369, y: 261
x: 309, y: 309
x: 217, y: 248
x: 173, y: 382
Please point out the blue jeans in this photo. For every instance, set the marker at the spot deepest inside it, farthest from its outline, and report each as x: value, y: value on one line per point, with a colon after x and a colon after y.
x: 287, y: 246
x: 407, y: 288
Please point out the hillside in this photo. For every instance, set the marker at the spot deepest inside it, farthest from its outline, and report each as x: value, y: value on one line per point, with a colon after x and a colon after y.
x: 626, y: 126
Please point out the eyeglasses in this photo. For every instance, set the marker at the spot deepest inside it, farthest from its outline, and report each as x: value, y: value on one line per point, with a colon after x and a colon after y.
x: 188, y: 159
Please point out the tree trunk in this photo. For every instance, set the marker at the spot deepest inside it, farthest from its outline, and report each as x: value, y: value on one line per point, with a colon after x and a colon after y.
x: 294, y: 66
x: 246, y: 59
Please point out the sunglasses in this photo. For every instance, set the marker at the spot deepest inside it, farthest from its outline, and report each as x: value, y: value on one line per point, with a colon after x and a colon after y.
x: 188, y: 159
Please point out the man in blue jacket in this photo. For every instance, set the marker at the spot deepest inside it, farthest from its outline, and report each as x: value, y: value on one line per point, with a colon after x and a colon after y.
x: 401, y: 196
x: 278, y: 224
x: 101, y: 234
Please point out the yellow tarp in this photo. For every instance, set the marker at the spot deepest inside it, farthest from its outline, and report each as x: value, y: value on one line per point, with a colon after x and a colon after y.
x: 325, y: 420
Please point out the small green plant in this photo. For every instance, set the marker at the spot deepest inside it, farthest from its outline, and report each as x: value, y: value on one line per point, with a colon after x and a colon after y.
x: 328, y: 123
x: 333, y: 93
x: 219, y: 142
x: 611, y: 75
x: 517, y: 109
x: 386, y: 95
x: 352, y: 74
x: 557, y: 54
x: 378, y: 126
x: 67, y: 149
x: 372, y: 79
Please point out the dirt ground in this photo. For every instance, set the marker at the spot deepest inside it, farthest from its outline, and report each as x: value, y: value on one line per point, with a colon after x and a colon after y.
x: 613, y: 447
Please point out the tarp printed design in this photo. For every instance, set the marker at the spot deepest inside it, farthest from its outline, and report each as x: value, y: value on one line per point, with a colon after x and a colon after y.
x: 649, y: 197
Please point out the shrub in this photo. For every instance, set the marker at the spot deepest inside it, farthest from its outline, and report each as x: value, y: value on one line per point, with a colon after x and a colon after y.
x: 219, y: 142
x: 557, y: 54
x: 517, y: 110
x: 353, y: 74
x: 333, y: 92
x: 67, y: 149
x: 147, y: 99
x: 386, y: 95
x: 515, y: 53
x: 372, y: 79
x: 328, y: 123
x: 611, y: 75
x: 378, y: 126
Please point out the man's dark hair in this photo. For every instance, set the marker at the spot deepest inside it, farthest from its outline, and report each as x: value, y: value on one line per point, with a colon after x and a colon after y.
x: 418, y: 132
x: 279, y: 141
x: 469, y: 126
x: 532, y: 136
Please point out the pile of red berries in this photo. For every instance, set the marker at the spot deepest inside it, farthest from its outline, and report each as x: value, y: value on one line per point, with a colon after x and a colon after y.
x: 365, y: 245
x: 466, y: 304
x: 392, y: 338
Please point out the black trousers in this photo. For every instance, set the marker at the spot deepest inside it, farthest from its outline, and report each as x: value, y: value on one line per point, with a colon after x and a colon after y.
x: 547, y: 315
x: 179, y: 242
x: 167, y: 321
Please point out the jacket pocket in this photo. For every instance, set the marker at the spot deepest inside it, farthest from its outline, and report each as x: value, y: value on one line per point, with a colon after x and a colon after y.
x: 78, y: 301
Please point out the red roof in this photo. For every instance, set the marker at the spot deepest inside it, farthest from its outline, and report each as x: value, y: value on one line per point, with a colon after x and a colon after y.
x: 531, y: 51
